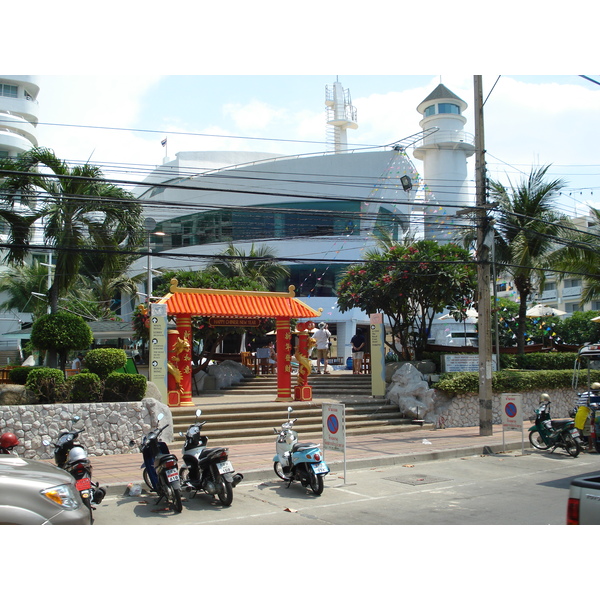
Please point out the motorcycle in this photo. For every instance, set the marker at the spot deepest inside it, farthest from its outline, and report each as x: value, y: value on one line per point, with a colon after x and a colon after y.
x: 298, y: 461
x: 161, y: 472
x: 549, y: 434
x: 71, y: 455
x: 206, y: 469
x: 8, y: 442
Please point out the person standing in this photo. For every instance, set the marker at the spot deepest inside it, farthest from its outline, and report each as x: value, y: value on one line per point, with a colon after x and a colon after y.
x: 77, y: 364
x: 358, y: 351
x: 321, y: 337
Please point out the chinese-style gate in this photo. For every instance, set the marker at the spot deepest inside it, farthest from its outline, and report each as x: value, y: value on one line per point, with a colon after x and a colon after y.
x: 185, y: 303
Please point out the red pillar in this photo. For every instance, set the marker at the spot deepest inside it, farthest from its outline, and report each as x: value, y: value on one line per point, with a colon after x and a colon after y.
x: 303, y: 391
x: 284, y: 358
x: 185, y: 342
x: 174, y: 374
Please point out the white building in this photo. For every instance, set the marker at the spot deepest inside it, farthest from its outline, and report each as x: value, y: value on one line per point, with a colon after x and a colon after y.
x: 324, y: 209
x: 18, y: 114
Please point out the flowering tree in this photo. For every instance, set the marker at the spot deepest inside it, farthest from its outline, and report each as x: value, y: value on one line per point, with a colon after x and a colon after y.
x: 410, y: 284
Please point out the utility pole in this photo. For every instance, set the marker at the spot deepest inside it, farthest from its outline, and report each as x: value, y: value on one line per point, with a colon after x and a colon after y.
x: 483, y: 270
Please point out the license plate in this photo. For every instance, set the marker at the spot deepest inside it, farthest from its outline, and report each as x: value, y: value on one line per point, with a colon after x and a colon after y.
x: 574, y: 433
x: 225, y: 467
x: 172, y: 475
x: 320, y: 468
x: 83, y: 484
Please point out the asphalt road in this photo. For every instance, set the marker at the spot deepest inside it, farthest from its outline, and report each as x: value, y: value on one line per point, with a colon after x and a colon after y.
x: 500, y: 489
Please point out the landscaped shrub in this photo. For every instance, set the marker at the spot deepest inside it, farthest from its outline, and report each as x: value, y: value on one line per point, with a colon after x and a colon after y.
x: 18, y: 375
x: 546, y: 360
x: 47, y: 384
x: 124, y: 387
x: 84, y: 387
x: 509, y: 381
x: 103, y: 361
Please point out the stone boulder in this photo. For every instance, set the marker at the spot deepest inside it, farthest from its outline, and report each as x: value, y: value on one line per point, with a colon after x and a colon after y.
x: 410, y: 392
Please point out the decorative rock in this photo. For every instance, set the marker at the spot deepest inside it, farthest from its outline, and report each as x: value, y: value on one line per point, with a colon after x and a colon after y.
x: 410, y: 392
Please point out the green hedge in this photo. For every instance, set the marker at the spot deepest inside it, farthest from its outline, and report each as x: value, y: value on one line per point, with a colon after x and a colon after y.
x: 103, y: 361
x: 18, y: 375
x: 123, y: 387
x: 84, y: 387
x: 48, y: 384
x: 509, y: 381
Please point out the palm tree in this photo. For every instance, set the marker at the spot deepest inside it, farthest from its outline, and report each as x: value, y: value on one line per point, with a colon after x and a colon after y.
x: 526, y: 229
x: 69, y: 204
x: 24, y: 285
x: 580, y: 254
x: 260, y: 264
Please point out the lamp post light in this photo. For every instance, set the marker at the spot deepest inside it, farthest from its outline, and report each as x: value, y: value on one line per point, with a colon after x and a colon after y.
x: 149, y: 225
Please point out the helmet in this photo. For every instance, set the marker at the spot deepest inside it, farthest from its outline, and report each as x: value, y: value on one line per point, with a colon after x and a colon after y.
x: 8, y: 440
x: 77, y: 453
x: 595, y: 385
x: 544, y: 397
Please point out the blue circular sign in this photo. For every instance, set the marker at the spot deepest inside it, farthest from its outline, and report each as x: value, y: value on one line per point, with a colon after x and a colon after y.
x: 332, y: 424
x: 510, y: 409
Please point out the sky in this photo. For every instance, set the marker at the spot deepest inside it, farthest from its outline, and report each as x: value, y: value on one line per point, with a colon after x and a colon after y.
x: 118, y: 121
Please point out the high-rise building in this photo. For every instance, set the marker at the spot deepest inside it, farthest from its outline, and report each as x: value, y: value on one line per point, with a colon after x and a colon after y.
x: 18, y: 114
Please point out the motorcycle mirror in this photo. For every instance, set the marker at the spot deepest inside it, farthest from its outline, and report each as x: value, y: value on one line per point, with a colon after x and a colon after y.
x: 75, y: 419
x: 290, y: 409
x: 131, y: 443
x: 198, y: 412
x: 181, y: 434
x: 45, y: 442
x: 160, y: 417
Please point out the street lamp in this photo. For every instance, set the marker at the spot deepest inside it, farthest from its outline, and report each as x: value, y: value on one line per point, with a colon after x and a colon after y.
x: 149, y: 225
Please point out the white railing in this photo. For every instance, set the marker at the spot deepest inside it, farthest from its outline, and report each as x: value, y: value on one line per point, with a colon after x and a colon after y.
x: 447, y: 137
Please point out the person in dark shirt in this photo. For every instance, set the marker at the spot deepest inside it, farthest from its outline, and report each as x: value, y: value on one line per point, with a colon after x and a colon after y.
x: 358, y: 351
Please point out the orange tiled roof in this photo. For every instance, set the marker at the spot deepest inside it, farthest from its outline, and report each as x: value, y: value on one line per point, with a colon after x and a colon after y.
x: 234, y: 303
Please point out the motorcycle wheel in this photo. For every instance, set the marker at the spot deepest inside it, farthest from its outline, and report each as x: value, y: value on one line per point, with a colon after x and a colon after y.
x: 572, y: 446
x: 279, y: 471
x: 316, y: 483
x: 147, y: 480
x: 173, y: 497
x: 535, y: 439
x: 224, y: 491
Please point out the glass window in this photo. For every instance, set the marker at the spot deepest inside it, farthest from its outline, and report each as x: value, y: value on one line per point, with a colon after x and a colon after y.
x: 8, y: 90
x: 445, y: 107
x: 570, y: 283
x: 430, y: 110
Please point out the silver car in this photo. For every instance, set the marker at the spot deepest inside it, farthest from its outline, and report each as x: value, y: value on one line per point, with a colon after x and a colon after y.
x: 37, y: 493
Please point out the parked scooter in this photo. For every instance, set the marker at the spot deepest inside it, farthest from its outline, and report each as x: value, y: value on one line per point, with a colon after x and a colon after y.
x: 8, y: 442
x: 161, y: 472
x: 298, y: 461
x: 549, y: 434
x: 71, y: 455
x: 207, y: 469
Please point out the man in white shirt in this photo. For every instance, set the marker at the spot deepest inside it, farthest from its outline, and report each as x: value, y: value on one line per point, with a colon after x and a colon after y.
x: 321, y: 337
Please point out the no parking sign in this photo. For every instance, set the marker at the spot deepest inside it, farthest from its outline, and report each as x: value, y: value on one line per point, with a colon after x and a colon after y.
x: 512, y: 411
x: 334, y: 426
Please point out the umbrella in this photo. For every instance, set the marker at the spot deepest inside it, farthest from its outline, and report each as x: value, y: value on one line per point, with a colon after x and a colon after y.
x: 541, y: 310
x: 470, y: 314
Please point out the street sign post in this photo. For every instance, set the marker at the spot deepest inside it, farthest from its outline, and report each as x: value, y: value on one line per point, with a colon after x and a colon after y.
x: 511, y: 406
x: 334, y: 429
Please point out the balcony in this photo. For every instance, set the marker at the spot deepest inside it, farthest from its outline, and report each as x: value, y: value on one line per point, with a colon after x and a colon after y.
x: 572, y: 292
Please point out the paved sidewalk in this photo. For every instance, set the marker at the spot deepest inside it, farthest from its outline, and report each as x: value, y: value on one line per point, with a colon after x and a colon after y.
x: 255, y: 461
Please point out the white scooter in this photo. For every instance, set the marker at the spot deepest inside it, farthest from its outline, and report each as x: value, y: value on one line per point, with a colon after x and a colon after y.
x: 298, y: 461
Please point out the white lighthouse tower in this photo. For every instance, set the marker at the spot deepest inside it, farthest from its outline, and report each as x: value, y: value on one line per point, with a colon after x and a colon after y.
x: 341, y: 115
x: 444, y: 150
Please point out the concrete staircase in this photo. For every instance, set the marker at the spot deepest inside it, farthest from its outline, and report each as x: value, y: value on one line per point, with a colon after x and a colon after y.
x: 252, y: 420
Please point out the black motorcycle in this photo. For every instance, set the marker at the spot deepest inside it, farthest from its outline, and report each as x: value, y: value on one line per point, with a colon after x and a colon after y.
x: 160, y: 468
x: 207, y: 470
x: 71, y: 455
x: 549, y: 434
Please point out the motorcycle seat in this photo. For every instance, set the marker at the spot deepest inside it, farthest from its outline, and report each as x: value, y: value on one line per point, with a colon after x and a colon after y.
x: 303, y: 446
x: 560, y: 422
